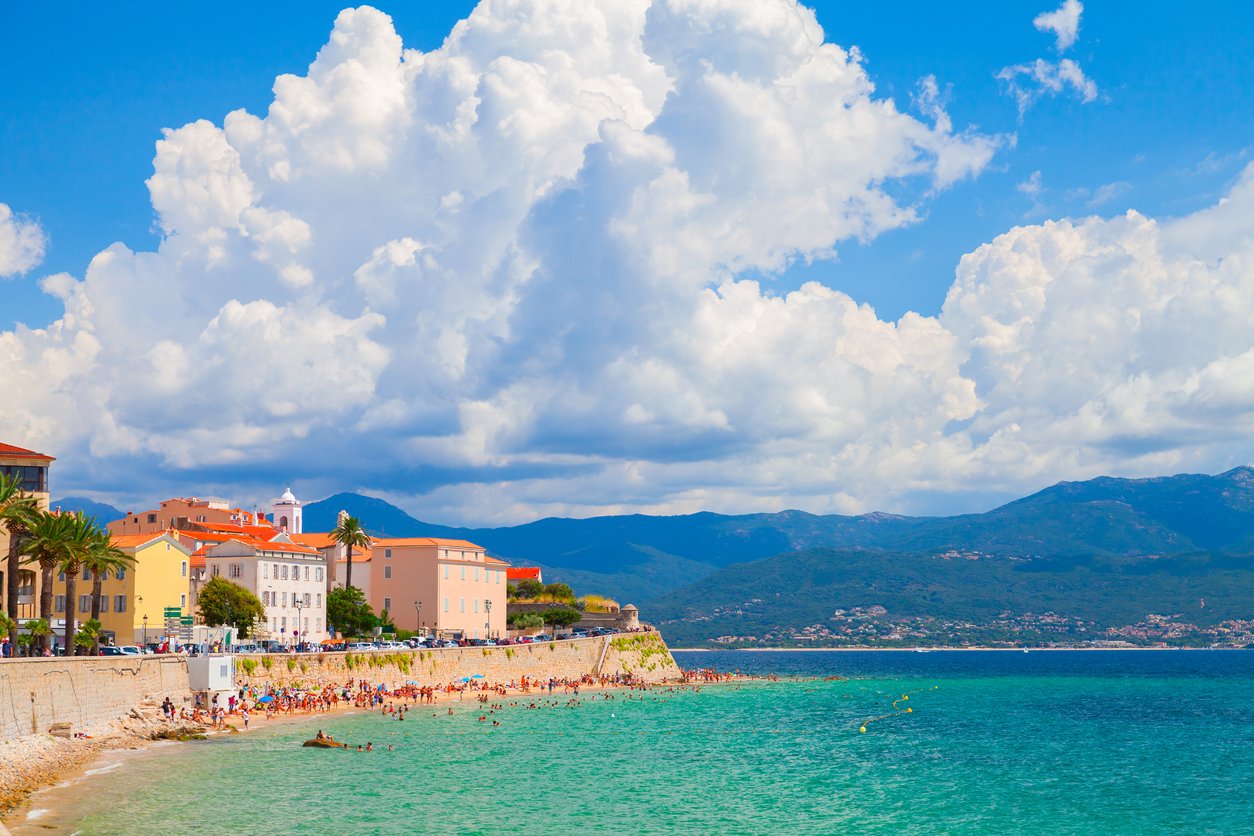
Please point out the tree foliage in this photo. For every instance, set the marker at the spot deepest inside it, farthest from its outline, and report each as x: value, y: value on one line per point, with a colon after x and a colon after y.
x: 526, y: 621
x: 529, y: 588
x: 222, y: 602
x: 349, y: 613
x: 561, y: 617
x: 349, y: 534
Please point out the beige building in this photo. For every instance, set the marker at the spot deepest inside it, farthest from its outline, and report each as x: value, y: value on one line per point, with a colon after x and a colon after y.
x: 183, y: 513
x: 32, y: 469
x: 288, y: 578
x: 446, y: 587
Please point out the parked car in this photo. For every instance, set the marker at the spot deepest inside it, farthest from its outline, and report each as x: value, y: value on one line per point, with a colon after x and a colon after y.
x: 246, y: 648
x: 361, y: 646
x: 110, y: 650
x: 130, y: 650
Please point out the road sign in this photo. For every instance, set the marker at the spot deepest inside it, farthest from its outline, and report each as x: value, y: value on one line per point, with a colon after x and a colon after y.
x: 173, y: 612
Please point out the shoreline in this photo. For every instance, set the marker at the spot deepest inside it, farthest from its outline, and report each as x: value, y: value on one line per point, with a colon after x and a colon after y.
x: 942, y: 649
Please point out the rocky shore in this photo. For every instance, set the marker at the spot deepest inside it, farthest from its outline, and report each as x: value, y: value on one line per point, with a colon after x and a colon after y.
x: 36, y: 761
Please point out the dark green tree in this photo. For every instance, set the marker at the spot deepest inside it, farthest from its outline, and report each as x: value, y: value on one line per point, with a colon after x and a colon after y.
x: 561, y: 617
x: 526, y: 621
x: 349, y: 613
x: 560, y: 592
x: 529, y: 588
x: 222, y: 602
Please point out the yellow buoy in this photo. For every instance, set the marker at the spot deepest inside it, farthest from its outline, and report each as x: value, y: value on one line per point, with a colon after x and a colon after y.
x: 909, y: 710
x: 863, y: 730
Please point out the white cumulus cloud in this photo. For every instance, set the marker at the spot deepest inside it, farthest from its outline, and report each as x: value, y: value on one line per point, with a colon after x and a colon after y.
x: 1064, y: 22
x: 22, y: 243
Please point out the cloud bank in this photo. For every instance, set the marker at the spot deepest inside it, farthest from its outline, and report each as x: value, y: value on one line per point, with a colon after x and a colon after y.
x: 529, y: 273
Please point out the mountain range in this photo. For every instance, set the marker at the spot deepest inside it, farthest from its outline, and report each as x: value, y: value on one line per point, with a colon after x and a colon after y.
x: 1097, y: 544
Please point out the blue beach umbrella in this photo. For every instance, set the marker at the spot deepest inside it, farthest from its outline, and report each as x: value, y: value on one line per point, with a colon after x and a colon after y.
x: 266, y: 698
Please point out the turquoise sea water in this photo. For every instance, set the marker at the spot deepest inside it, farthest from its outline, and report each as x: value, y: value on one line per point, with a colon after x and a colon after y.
x: 1047, y: 742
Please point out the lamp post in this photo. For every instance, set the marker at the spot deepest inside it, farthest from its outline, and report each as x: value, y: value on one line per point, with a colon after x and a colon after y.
x: 145, y: 630
x: 418, y: 611
x: 487, y: 628
x: 300, y: 605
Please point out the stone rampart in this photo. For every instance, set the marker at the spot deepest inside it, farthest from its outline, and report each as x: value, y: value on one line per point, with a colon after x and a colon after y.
x: 36, y: 694
x: 644, y: 655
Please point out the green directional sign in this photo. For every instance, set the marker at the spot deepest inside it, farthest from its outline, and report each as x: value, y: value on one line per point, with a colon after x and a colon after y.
x: 173, y: 612
x: 186, y: 621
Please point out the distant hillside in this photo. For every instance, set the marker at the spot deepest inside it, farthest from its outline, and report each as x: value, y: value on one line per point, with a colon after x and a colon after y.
x: 644, y: 557
x: 792, y: 591
x: 101, y: 511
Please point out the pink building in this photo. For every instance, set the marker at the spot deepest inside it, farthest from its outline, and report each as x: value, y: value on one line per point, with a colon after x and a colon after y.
x: 446, y: 587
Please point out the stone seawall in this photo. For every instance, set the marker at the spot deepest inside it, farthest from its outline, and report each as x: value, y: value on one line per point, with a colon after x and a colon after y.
x: 36, y: 694
x: 644, y: 655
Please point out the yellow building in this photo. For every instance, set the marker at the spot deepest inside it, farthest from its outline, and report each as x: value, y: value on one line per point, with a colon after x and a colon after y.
x: 159, y: 579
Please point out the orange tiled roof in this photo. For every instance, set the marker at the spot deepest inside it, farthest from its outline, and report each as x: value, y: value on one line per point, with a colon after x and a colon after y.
x: 317, y: 539
x: 426, y: 541
x: 22, y: 453
x: 271, y: 546
x: 522, y: 573
x: 132, y: 541
x: 487, y: 558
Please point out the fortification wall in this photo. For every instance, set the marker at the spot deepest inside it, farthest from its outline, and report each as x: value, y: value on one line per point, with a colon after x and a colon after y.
x: 644, y: 655
x: 36, y: 694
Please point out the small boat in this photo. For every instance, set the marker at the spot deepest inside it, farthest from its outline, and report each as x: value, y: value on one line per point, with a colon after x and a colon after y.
x: 324, y: 743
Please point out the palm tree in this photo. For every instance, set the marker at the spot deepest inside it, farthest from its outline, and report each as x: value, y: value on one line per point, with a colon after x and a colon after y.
x: 349, y: 533
x: 39, y: 630
x: 48, y: 538
x: 102, y: 558
x: 82, y: 533
x: 5, y: 624
x: 16, y: 509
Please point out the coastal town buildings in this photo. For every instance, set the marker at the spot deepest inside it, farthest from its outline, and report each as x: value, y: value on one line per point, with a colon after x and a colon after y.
x: 133, y: 601
x: 288, y: 578
x: 432, y: 585
x: 180, y: 512
x: 31, y: 469
x: 334, y: 553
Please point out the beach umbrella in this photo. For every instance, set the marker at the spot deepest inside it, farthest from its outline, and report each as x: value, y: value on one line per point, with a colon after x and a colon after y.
x: 266, y: 698
x: 477, y: 676
x: 464, y: 679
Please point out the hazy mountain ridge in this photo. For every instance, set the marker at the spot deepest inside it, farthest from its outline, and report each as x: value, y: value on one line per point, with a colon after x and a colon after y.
x: 647, y: 557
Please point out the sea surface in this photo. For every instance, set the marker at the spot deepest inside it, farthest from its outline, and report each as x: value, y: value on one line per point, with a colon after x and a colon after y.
x: 1045, y: 742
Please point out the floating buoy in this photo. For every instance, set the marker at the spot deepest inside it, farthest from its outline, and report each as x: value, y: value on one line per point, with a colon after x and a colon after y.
x: 863, y: 729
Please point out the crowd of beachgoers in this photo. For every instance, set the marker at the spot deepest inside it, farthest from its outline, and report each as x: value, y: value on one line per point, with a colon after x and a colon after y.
x: 238, y: 709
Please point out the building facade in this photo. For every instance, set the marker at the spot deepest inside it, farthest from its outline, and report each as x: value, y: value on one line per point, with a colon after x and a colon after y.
x: 289, y: 579
x: 285, y: 513
x: 449, y: 588
x: 133, y: 601
x: 31, y: 469
x: 181, y: 512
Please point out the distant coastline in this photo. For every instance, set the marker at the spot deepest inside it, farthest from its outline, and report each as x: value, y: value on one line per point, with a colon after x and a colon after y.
x: 930, y: 649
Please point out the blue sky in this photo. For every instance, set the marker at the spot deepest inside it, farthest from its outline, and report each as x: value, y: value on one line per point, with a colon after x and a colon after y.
x: 1167, y: 134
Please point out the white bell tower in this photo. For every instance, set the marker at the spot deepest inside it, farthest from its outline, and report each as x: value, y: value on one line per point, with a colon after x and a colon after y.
x: 285, y: 513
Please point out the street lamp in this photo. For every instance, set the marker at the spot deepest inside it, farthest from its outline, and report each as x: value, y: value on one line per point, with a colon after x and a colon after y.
x: 487, y: 628
x: 418, y: 610
x: 300, y: 605
x: 145, y: 629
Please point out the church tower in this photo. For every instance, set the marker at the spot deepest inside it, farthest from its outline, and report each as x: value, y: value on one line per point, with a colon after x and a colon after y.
x: 285, y: 513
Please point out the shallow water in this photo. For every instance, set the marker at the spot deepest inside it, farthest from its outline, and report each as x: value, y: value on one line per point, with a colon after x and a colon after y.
x: 1117, y: 742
